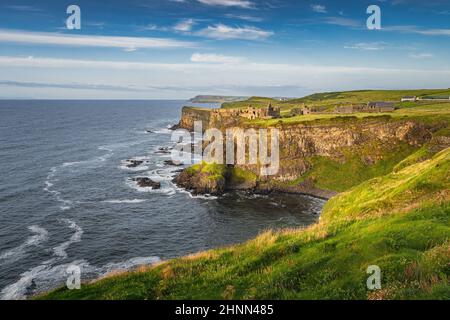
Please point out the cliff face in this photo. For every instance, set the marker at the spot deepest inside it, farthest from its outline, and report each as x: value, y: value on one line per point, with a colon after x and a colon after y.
x: 313, y: 157
x: 190, y: 114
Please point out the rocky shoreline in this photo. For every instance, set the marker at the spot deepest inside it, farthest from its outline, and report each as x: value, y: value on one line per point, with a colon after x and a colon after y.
x: 201, y: 185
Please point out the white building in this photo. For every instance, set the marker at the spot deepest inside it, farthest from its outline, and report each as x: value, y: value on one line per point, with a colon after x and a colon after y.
x: 409, y: 98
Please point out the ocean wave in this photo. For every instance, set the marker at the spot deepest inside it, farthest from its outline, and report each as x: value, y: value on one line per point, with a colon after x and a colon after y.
x: 141, y: 167
x: 60, y: 250
x: 195, y: 196
x: 45, y: 275
x: 163, y: 131
x: 48, y: 276
x: 125, y: 201
x: 135, y: 169
x: 127, y: 264
x: 49, y: 184
x: 40, y: 235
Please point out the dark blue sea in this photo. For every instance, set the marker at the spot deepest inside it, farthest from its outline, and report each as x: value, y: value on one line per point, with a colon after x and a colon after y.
x: 67, y: 198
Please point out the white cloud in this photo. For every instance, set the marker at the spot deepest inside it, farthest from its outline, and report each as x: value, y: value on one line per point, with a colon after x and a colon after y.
x: 228, y: 3
x: 319, y: 8
x: 344, y: 22
x: 421, y: 55
x: 215, y: 58
x: 180, y: 80
x: 368, y: 46
x: 42, y: 62
x: 25, y: 8
x: 184, y: 25
x: 223, y: 32
x: 244, y: 17
x: 59, y: 39
x: 417, y: 30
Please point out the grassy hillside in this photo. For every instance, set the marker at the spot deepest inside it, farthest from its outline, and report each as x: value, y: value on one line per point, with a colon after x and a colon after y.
x: 329, y: 100
x: 400, y: 222
x: 430, y: 112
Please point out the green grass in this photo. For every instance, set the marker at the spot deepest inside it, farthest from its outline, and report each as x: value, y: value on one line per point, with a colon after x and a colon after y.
x: 400, y: 222
x: 330, y: 174
x: 238, y: 176
x: 328, y: 100
x: 427, y: 113
x: 209, y: 168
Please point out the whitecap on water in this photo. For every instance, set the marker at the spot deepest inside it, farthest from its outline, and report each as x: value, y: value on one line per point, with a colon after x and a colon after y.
x: 166, y: 188
x: 118, y: 201
x: 48, y: 276
x: 44, y: 275
x: 60, y: 250
x: 40, y: 235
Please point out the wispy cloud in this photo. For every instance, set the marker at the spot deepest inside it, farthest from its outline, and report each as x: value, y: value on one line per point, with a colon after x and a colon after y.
x: 418, y: 30
x: 421, y: 55
x: 229, y: 3
x: 41, y: 62
x: 223, y: 32
x: 319, y: 8
x: 244, y: 17
x: 367, y: 46
x: 86, y: 86
x: 59, y: 39
x: 215, y: 58
x: 184, y: 25
x: 25, y: 8
x: 344, y: 22
x: 158, y: 80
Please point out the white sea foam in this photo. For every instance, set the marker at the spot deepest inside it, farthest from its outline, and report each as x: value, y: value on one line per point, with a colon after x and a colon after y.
x: 141, y: 167
x: 125, y: 201
x: 47, y: 275
x: 60, y: 250
x: 163, y: 131
x: 127, y: 264
x: 198, y: 196
x: 166, y: 188
x: 49, y: 184
x: 135, y: 169
x: 40, y: 235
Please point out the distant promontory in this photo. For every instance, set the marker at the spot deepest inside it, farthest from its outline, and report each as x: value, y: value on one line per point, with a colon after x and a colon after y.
x: 216, y: 99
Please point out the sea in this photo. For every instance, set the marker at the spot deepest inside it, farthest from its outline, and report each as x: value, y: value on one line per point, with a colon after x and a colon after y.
x: 67, y: 196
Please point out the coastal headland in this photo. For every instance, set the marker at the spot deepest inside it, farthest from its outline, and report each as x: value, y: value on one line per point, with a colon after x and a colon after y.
x: 385, y: 173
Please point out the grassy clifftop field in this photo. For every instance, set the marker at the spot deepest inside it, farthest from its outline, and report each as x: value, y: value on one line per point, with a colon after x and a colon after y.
x: 399, y: 222
x: 328, y: 100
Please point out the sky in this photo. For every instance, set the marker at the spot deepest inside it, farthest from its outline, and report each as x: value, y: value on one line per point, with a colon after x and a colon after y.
x: 176, y: 49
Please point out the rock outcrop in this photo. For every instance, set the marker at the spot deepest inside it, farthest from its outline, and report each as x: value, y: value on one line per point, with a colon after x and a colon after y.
x: 370, y: 140
x: 145, y: 182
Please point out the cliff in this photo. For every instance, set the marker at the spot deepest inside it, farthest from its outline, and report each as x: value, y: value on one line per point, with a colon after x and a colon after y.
x: 191, y: 114
x: 317, y: 158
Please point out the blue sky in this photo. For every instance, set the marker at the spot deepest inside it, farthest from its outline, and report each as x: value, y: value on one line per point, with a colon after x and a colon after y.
x: 175, y: 49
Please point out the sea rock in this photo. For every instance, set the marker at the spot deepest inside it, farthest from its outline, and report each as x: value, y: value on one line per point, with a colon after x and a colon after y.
x: 132, y: 163
x: 172, y: 163
x: 145, y: 182
x: 201, y: 183
x: 163, y: 150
